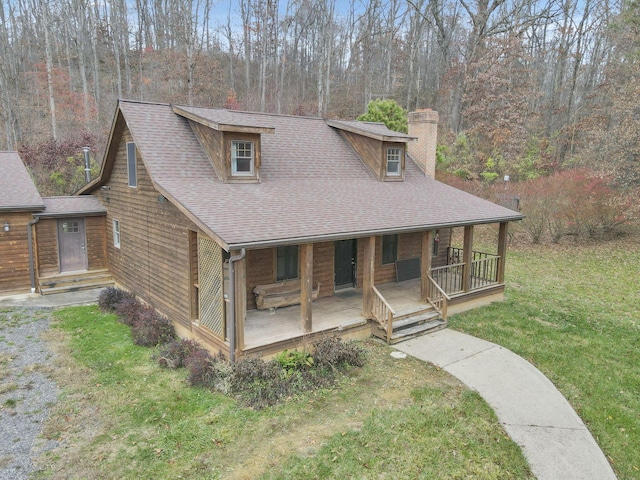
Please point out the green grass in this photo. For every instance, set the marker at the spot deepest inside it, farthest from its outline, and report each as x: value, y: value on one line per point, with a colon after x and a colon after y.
x: 121, y: 416
x: 574, y: 312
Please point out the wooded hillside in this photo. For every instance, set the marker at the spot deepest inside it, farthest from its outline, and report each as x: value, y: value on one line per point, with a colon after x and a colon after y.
x: 523, y: 87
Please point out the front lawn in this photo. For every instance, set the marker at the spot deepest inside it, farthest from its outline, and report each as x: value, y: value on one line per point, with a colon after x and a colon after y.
x: 574, y: 312
x: 122, y: 416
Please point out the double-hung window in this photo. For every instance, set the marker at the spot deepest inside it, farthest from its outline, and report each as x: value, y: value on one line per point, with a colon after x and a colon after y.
x: 394, y: 162
x: 116, y: 233
x: 131, y: 164
x: 242, y: 158
x: 286, y: 262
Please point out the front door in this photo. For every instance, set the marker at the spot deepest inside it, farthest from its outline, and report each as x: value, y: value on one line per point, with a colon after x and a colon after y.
x: 345, y: 264
x: 71, y: 244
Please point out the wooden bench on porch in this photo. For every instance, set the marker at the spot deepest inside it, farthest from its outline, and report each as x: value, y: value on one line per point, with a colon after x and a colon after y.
x: 280, y: 294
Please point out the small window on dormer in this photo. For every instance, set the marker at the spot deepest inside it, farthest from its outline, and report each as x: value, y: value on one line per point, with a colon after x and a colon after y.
x: 131, y: 164
x: 394, y: 162
x: 242, y: 160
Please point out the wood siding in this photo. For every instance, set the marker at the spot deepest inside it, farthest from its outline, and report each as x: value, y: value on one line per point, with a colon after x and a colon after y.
x: 14, y: 252
x: 47, y: 251
x: 153, y: 259
x: 369, y: 150
x: 211, y: 142
x: 96, y: 233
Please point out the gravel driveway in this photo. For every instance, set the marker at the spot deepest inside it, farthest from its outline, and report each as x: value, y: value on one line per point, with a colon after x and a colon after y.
x: 26, y: 392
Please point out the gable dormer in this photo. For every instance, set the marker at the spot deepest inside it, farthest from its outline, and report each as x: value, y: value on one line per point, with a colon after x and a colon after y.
x: 382, y: 150
x: 231, y: 140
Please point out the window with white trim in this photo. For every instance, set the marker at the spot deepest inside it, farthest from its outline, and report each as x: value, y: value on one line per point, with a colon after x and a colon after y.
x: 131, y: 164
x: 394, y: 162
x: 242, y: 158
x: 116, y: 233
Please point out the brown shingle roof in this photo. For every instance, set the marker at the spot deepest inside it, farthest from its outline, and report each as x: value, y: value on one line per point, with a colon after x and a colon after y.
x: 67, y: 206
x: 17, y: 190
x: 313, y: 186
x: 375, y: 130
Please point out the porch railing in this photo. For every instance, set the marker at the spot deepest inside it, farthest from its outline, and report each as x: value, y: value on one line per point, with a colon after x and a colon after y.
x: 382, y: 312
x: 437, y: 297
x: 449, y: 277
x: 483, y: 271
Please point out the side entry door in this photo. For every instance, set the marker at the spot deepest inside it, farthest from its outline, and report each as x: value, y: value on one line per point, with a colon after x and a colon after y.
x: 72, y: 250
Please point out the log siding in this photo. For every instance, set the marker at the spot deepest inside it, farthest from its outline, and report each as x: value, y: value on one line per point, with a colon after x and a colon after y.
x: 153, y: 260
x: 14, y: 252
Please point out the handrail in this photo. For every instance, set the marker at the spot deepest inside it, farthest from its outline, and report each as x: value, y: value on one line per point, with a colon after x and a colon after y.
x: 437, y: 297
x: 383, y: 312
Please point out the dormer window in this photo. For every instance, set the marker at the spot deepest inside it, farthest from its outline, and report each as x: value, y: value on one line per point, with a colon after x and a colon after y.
x: 394, y: 162
x: 242, y: 158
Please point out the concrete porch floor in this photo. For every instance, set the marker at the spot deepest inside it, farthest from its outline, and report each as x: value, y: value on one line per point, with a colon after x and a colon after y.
x: 344, y: 308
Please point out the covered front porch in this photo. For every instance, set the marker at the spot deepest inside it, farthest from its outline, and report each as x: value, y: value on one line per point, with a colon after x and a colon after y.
x: 338, y: 313
x: 469, y: 279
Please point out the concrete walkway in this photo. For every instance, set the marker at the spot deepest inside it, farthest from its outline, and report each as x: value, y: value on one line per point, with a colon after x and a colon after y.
x: 534, y: 413
x: 35, y: 300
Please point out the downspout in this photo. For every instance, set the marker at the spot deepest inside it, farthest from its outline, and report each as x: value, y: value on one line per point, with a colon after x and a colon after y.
x: 32, y: 267
x: 231, y: 326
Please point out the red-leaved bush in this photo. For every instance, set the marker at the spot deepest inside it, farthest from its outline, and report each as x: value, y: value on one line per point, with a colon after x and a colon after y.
x: 573, y: 202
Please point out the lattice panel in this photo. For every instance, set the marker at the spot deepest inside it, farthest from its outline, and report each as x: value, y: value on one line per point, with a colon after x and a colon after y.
x: 212, y: 311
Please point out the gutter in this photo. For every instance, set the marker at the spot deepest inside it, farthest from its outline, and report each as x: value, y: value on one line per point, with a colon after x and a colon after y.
x: 231, y: 326
x: 363, y: 233
x: 32, y: 267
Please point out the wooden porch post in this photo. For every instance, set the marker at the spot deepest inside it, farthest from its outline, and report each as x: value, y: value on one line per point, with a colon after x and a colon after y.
x: 502, y: 250
x: 425, y: 263
x: 368, y: 280
x: 306, y: 286
x: 240, y: 268
x: 467, y: 257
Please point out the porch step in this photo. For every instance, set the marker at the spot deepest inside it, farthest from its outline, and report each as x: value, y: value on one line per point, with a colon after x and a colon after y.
x: 421, y: 329
x: 411, y: 326
x: 75, y: 281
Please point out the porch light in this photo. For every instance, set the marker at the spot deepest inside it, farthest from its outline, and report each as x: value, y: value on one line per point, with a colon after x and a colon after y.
x: 6, y: 226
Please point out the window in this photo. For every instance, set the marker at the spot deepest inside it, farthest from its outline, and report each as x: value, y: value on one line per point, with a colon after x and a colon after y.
x: 71, y: 227
x: 131, y: 164
x: 436, y: 243
x: 389, y: 249
x: 286, y: 262
x: 394, y: 162
x: 241, y: 158
x: 116, y: 233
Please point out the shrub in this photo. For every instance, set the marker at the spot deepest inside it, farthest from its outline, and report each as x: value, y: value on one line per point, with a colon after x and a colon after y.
x: 258, y: 383
x: 151, y: 329
x: 294, y: 361
x: 128, y: 310
x: 208, y: 371
x: 110, y: 297
x: 335, y: 353
x: 176, y: 352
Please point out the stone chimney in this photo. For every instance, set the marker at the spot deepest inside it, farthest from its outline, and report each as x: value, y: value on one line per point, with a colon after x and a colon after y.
x: 423, y: 124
